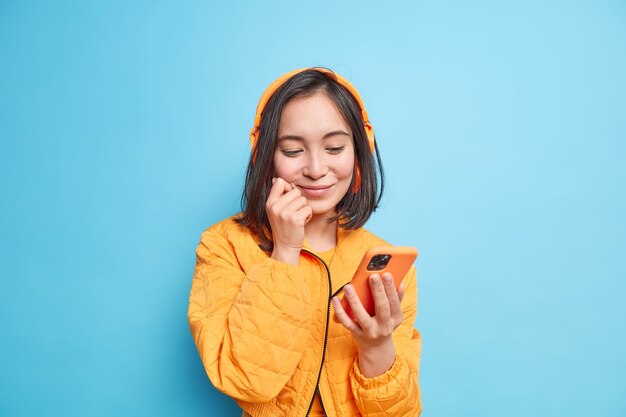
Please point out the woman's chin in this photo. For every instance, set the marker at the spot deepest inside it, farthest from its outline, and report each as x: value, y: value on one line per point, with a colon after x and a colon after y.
x: 323, y: 211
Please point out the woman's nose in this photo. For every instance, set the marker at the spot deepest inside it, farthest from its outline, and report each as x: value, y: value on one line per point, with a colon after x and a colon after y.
x: 315, y: 167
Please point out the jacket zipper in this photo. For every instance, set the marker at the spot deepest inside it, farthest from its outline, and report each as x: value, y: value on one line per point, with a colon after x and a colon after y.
x: 330, y: 296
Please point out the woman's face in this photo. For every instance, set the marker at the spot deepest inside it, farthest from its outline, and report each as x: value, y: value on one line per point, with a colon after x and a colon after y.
x: 315, y: 151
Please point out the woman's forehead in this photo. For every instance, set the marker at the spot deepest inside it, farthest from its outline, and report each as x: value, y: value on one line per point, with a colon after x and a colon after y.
x: 311, y: 116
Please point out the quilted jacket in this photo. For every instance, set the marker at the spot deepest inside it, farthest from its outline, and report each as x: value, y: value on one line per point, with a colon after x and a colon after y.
x: 265, y: 333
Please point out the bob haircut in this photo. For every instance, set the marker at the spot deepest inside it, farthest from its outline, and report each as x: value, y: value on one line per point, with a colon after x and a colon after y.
x: 355, y: 208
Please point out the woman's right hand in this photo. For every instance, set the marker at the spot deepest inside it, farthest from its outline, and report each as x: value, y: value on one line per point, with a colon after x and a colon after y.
x: 288, y: 213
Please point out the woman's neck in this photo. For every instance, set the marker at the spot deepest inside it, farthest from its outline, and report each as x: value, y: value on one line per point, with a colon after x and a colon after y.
x: 321, y: 234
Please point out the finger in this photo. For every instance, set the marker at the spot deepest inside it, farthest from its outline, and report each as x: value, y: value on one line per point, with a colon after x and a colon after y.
x: 379, y: 293
x: 287, y: 186
x: 309, y: 214
x: 392, y: 295
x: 401, y: 292
x: 298, y: 203
x: 302, y: 216
x: 277, y: 190
x: 342, y: 317
x: 287, y: 202
x: 358, y: 311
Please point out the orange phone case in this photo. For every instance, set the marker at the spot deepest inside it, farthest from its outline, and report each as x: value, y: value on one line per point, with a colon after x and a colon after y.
x: 401, y: 259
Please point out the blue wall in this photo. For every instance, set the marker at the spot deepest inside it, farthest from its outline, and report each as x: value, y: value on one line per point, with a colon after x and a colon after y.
x: 124, y: 133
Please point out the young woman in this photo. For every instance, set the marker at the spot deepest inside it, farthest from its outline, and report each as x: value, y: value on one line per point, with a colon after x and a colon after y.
x: 266, y: 281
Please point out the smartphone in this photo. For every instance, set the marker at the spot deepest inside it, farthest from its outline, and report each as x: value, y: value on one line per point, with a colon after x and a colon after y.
x: 380, y: 259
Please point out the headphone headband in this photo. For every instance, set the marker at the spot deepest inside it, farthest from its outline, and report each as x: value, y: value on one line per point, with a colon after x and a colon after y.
x: 254, y: 132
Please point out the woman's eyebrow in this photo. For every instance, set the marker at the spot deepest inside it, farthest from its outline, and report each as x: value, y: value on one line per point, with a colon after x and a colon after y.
x: 334, y: 133
x: 327, y: 135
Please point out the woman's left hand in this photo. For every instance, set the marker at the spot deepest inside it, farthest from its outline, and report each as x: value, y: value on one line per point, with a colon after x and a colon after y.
x: 372, y: 334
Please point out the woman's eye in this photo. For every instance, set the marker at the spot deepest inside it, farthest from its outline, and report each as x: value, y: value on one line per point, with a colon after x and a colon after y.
x: 291, y: 152
x: 335, y: 149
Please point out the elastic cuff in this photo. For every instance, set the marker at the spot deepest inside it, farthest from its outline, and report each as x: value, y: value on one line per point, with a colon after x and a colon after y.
x: 270, y: 266
x: 376, y: 381
x: 279, y: 265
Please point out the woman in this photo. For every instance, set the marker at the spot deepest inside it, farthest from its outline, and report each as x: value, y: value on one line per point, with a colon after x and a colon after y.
x: 266, y: 280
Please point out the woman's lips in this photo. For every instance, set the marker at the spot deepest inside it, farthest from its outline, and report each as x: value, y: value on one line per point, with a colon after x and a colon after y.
x: 315, y: 190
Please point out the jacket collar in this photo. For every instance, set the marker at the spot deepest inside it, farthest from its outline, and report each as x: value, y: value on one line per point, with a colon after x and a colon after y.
x: 343, y: 235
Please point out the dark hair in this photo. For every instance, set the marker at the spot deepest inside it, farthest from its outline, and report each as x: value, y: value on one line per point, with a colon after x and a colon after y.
x: 354, y: 209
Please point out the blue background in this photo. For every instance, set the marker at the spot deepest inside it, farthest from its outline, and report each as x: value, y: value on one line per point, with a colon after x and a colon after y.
x: 124, y: 133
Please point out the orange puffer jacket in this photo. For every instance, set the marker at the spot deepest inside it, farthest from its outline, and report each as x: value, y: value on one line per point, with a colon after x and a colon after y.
x: 265, y: 333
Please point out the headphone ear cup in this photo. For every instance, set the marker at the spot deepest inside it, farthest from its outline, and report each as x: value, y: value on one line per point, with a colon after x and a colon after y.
x: 357, y: 178
x: 369, y: 131
x: 254, y: 136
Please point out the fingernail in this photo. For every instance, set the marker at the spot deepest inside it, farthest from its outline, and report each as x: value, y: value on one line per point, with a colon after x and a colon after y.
x: 387, y: 279
x: 375, y: 280
x: 349, y: 290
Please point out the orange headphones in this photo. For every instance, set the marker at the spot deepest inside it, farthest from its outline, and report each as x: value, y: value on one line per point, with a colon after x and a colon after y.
x: 254, y: 132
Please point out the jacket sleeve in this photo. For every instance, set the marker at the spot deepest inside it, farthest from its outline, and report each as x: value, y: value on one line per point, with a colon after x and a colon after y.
x: 240, y: 320
x: 395, y: 393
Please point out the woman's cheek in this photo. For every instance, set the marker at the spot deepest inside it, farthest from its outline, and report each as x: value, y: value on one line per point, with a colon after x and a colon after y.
x: 346, y: 167
x: 285, y: 168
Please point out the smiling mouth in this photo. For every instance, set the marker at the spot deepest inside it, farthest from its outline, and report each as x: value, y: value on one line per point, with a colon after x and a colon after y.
x: 316, y: 187
x: 315, y: 191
